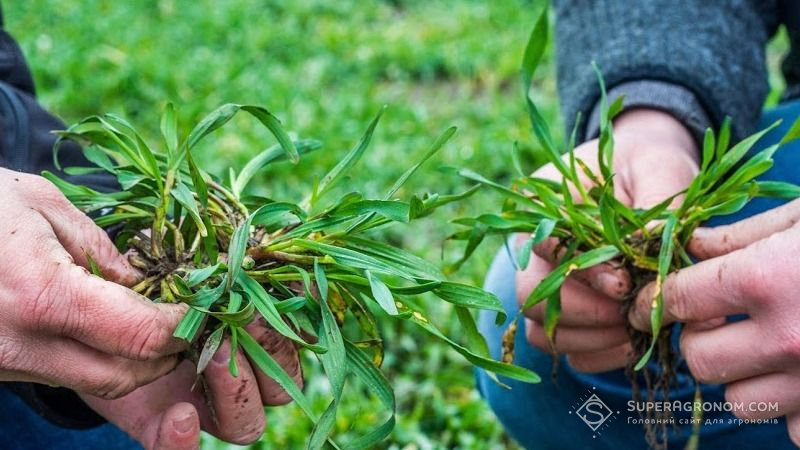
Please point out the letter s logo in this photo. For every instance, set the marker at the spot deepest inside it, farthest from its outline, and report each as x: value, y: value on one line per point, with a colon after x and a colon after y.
x: 595, y: 408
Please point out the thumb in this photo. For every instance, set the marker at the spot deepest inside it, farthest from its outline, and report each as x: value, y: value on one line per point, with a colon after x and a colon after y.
x: 651, y: 185
x: 179, y: 429
x: 712, y: 242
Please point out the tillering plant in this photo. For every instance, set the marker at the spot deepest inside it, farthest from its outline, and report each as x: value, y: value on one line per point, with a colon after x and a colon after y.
x: 309, y: 270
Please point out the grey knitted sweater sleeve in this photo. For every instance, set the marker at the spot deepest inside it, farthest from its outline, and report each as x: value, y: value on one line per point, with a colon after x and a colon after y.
x: 713, y: 51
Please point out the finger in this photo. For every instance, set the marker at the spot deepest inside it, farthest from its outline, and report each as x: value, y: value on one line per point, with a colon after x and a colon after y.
x: 718, y: 355
x: 707, y: 325
x: 756, y: 394
x: 582, y: 307
x: 704, y: 291
x: 601, y: 361
x: 575, y: 340
x: 105, y: 315
x: 179, y: 429
x: 285, y: 353
x: 607, y: 278
x: 81, y: 237
x: 83, y: 369
x: 236, y: 400
x: 793, y: 423
x: 711, y: 242
x: 653, y: 180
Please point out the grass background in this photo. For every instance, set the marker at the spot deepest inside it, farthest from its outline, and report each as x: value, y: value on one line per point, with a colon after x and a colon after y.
x: 325, y: 68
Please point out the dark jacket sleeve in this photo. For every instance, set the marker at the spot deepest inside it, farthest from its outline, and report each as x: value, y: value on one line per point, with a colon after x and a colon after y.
x: 712, y: 50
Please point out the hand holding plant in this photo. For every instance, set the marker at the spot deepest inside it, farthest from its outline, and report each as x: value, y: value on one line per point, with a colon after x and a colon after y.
x: 749, y: 267
x: 308, y: 272
x: 616, y: 216
x: 230, y: 408
x: 61, y: 325
x: 655, y: 158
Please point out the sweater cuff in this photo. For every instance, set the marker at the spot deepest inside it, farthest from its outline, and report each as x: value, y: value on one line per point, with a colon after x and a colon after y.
x: 671, y: 98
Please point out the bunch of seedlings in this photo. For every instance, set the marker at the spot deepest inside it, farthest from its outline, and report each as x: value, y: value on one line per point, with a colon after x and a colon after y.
x: 311, y: 268
x: 592, y: 227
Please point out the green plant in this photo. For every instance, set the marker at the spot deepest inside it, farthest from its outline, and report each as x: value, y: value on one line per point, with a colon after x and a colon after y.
x: 593, y: 227
x: 307, y: 268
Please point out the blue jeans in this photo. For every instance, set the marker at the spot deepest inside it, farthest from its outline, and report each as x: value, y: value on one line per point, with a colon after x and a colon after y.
x: 543, y: 416
x: 22, y: 429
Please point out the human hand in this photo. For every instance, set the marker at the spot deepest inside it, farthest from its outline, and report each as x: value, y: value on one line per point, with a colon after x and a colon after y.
x: 60, y: 325
x: 168, y: 415
x: 655, y: 157
x: 749, y: 267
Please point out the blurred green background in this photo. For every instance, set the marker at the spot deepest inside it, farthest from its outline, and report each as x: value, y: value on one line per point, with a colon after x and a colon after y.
x: 324, y: 68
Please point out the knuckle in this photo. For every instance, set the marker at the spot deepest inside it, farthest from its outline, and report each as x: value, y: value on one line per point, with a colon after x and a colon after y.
x: 147, y: 339
x: 754, y: 283
x: 10, y: 353
x: 681, y: 298
x: 789, y: 345
x: 734, y: 396
x: 40, y: 306
x: 111, y: 385
x: 41, y: 189
x: 699, y: 364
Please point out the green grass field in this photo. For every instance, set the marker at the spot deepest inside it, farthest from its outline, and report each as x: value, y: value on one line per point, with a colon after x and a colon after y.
x: 325, y: 68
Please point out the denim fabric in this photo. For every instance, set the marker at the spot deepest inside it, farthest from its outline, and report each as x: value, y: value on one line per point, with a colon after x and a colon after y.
x: 542, y: 416
x: 22, y: 429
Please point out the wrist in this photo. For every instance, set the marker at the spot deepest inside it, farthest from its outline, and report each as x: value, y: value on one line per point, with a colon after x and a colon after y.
x: 657, y: 126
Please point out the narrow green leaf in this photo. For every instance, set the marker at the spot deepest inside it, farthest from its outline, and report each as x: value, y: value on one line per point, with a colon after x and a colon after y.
x: 665, y: 255
x: 265, y: 304
x: 471, y: 297
x: 169, y: 128
x: 497, y: 367
x: 197, y: 276
x: 537, y: 41
x: 793, y: 133
x: 361, y: 366
x: 469, y: 329
x: 552, y: 314
x: 334, y: 361
x: 184, y: 196
x: 709, y: 146
x: 351, y: 258
x: 237, y: 249
x: 274, y: 153
x: 198, y: 181
x: 189, y: 326
x: 272, y: 369
x: 210, y: 348
x: 225, y: 113
x: 391, y: 209
x: 382, y: 294
x: 414, y: 265
x: 348, y: 161
x: 553, y: 281
x: 724, y: 137
x: 778, y: 189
